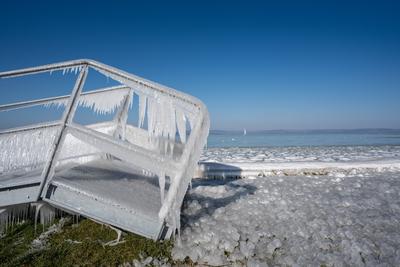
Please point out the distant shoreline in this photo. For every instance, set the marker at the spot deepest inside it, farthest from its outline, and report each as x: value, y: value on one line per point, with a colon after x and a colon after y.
x: 312, y: 131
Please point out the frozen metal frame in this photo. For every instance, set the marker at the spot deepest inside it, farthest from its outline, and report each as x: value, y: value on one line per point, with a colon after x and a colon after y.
x: 112, y: 146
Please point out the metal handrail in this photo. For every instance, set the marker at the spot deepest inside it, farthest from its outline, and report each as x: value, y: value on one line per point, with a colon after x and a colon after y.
x: 31, y: 127
x: 44, y: 101
x: 111, y: 71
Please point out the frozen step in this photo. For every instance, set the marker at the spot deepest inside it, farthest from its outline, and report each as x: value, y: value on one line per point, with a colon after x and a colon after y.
x: 110, y: 192
x: 19, y: 187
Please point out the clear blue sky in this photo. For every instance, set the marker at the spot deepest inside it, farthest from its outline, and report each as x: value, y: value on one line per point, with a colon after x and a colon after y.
x: 256, y: 65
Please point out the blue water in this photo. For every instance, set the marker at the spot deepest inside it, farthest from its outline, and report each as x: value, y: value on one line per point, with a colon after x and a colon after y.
x: 304, y: 138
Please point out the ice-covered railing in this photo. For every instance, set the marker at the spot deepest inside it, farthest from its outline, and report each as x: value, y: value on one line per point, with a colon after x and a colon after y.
x: 28, y: 147
x: 160, y: 143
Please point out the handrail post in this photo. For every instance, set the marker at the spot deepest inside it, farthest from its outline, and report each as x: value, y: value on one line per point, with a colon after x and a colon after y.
x: 68, y: 115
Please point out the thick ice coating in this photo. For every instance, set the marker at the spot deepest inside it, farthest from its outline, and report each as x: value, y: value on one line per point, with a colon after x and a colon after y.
x: 160, y: 143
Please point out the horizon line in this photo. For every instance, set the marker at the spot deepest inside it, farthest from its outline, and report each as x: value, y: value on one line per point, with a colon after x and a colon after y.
x: 305, y: 130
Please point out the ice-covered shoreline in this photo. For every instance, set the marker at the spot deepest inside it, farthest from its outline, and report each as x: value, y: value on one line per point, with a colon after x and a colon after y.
x: 338, y: 218
x: 301, y: 153
x: 324, y: 160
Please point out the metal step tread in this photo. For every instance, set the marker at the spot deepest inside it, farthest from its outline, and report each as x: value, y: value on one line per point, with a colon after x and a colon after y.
x: 111, y: 192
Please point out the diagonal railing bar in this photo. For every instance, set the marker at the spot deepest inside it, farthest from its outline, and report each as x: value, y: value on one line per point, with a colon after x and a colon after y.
x: 69, y: 112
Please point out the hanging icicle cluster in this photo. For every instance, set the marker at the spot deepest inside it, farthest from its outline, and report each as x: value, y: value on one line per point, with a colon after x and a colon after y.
x: 56, y: 103
x: 103, y: 102
x: 163, y: 118
x: 28, y: 149
x: 74, y: 70
x: 13, y: 215
x: 39, y: 212
x: 164, y: 115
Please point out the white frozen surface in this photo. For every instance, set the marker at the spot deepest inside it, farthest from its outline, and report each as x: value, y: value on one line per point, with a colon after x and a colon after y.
x: 336, y: 220
x: 302, y: 154
x: 323, y: 160
x: 114, y: 183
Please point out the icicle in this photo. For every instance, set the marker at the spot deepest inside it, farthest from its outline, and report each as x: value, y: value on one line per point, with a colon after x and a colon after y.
x: 56, y: 103
x: 142, y: 109
x: 151, y: 115
x: 178, y: 223
x: 103, y: 102
x: 173, y: 219
x: 166, y: 145
x: 169, y: 120
x: 64, y: 71
x: 161, y: 182
x: 37, y: 206
x: 27, y: 149
x: 181, y: 125
x: 191, y: 119
x: 11, y: 215
x: 3, y: 221
x: 47, y: 215
x: 161, y: 118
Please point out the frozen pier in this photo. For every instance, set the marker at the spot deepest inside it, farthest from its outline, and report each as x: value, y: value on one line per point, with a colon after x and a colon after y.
x: 130, y: 168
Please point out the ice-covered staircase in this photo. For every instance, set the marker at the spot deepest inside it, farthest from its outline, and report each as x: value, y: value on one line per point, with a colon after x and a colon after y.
x: 131, y: 171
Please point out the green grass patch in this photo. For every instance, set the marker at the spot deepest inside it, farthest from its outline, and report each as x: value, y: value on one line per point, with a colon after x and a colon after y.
x: 16, y: 243
x: 77, y: 244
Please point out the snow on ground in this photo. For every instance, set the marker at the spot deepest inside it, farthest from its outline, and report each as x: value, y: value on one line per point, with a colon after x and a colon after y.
x: 350, y: 219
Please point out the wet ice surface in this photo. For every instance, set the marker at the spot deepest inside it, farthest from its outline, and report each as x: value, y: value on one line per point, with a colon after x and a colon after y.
x: 291, y: 154
x: 350, y: 219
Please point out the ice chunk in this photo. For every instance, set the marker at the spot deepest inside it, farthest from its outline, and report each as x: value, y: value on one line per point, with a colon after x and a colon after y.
x: 275, y: 244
